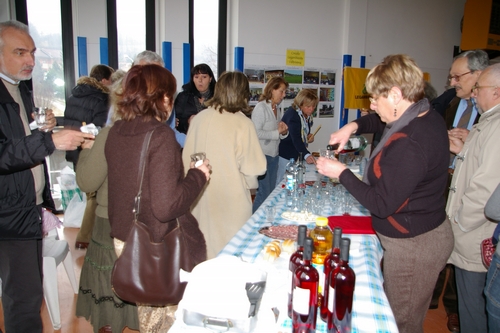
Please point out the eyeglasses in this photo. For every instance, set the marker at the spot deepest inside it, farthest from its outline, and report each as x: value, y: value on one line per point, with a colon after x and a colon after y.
x: 457, y: 77
x: 373, y: 100
x: 476, y: 87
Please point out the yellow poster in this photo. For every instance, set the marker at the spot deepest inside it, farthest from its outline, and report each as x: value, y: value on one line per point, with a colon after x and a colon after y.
x: 295, y: 58
x: 355, y: 95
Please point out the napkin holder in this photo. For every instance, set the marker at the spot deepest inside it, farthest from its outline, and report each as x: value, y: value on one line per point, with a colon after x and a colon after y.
x: 216, y: 295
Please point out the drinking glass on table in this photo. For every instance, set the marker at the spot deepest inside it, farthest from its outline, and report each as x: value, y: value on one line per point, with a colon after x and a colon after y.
x: 270, y: 212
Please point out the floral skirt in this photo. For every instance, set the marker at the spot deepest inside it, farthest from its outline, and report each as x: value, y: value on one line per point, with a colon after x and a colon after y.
x: 96, y: 300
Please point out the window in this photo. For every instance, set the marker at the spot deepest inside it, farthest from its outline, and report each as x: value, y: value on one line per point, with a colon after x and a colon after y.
x: 131, y: 26
x: 48, y: 75
x: 206, y: 20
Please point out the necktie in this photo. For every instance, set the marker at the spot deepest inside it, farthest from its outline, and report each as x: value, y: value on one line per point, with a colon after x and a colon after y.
x: 462, y: 123
x: 464, y: 119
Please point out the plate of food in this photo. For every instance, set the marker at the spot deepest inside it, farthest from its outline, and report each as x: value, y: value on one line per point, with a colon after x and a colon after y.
x: 281, y: 231
x: 301, y: 217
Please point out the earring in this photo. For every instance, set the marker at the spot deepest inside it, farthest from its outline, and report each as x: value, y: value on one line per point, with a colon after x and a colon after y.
x: 395, y: 112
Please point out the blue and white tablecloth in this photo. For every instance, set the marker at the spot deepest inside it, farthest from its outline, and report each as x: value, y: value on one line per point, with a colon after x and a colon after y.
x: 371, y: 310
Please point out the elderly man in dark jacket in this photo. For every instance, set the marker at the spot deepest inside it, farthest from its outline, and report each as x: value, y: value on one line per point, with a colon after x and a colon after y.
x: 24, y: 184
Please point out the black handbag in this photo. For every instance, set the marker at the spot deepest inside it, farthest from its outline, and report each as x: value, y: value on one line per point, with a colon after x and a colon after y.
x: 147, y: 273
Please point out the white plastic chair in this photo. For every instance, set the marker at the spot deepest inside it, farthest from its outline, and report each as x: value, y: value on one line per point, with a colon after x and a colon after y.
x: 54, y: 252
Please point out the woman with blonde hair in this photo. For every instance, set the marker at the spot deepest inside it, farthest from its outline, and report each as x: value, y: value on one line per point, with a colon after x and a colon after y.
x: 402, y: 186
x: 144, y: 104
x: 266, y: 117
x: 298, y: 118
x: 228, y: 138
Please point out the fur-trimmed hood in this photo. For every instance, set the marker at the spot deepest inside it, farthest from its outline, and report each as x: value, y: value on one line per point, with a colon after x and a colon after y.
x: 88, y: 85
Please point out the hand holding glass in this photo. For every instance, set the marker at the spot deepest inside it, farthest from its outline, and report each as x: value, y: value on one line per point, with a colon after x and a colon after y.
x: 198, y: 159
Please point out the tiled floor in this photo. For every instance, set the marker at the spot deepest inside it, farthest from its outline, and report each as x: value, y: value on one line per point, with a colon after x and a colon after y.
x: 435, y: 321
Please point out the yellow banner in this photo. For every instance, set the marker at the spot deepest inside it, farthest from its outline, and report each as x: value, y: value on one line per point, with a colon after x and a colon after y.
x: 355, y: 95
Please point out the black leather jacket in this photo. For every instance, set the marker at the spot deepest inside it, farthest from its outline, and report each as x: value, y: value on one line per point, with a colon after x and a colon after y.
x: 20, y: 217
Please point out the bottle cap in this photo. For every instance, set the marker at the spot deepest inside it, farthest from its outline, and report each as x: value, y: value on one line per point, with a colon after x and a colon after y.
x: 321, y: 221
x: 302, y: 235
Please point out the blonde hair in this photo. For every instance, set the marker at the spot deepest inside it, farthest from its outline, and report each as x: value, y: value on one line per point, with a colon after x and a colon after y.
x: 398, y: 70
x: 305, y: 97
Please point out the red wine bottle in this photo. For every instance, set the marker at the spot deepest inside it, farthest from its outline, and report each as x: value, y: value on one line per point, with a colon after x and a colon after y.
x: 342, y: 288
x: 331, y: 262
x: 296, y: 261
x: 305, y: 293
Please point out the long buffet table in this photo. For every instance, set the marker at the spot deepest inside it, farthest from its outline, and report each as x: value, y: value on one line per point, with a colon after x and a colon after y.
x: 371, y: 310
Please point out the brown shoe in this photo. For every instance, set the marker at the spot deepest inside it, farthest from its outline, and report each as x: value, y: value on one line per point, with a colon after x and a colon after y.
x: 81, y: 245
x: 105, y: 329
x: 453, y: 323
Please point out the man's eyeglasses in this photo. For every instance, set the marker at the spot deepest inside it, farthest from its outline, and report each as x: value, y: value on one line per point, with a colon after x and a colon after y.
x: 476, y: 87
x: 457, y: 77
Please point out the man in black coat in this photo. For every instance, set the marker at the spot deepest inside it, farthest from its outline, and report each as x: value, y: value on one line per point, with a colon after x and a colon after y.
x: 24, y: 182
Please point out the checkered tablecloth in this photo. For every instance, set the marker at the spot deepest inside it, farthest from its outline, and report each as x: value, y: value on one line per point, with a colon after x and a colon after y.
x: 371, y: 310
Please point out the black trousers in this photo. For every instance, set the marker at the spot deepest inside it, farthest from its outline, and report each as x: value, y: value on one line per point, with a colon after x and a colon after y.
x: 450, y: 301
x: 21, y: 271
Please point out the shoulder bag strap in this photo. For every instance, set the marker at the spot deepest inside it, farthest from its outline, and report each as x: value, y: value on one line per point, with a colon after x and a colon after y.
x: 140, y: 177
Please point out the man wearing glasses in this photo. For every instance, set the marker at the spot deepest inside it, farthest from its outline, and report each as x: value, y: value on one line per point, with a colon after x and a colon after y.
x: 475, y: 178
x: 460, y: 114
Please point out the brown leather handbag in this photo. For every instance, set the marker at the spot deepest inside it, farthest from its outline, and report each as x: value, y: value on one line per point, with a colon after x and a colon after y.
x: 147, y: 273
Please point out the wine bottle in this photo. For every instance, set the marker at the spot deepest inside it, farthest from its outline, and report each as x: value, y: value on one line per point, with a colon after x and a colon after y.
x: 354, y: 144
x: 305, y: 293
x: 342, y: 281
x: 295, y: 261
x: 290, y: 182
x: 300, y: 171
x: 331, y: 262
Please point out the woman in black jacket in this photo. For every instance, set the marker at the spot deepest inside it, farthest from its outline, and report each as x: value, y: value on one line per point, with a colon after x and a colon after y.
x: 88, y: 103
x: 194, y: 95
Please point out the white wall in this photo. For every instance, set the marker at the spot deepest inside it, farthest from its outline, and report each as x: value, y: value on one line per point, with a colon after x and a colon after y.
x: 427, y: 30
x: 6, y: 10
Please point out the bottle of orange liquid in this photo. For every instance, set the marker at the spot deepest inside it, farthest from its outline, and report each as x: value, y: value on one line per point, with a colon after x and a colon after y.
x: 322, y: 240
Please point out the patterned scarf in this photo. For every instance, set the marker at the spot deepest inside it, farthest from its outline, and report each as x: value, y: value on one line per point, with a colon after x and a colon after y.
x: 306, y: 126
x: 201, y: 106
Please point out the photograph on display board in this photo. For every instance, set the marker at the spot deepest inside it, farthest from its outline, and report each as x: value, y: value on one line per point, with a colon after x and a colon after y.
x: 255, y: 93
x: 327, y: 78
x: 254, y: 75
x: 293, y: 76
x: 311, y: 77
x: 326, y: 110
x: 326, y: 94
x: 292, y: 91
x: 272, y: 73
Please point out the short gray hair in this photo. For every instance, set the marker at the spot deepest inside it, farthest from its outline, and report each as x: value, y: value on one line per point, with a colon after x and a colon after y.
x: 149, y: 57
x: 477, y: 60
x: 14, y: 25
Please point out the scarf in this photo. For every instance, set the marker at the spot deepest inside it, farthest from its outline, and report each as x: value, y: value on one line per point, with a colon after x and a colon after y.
x: 201, y: 106
x: 306, y: 126
x: 411, y: 113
